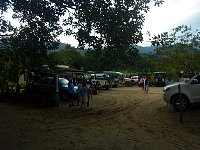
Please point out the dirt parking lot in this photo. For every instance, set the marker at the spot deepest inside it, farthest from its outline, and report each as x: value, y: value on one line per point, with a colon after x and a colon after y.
x: 119, y: 119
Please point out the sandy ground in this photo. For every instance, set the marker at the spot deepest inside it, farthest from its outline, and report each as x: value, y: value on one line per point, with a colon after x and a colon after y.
x: 119, y: 119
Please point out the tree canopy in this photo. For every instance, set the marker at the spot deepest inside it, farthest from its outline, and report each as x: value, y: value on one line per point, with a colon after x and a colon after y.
x: 116, y: 23
x: 180, y: 50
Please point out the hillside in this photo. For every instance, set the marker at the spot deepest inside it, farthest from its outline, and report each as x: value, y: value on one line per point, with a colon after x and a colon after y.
x: 149, y: 49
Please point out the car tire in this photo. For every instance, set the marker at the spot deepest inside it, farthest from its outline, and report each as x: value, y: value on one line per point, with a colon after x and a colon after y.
x: 176, y: 103
x: 107, y: 87
x: 127, y: 84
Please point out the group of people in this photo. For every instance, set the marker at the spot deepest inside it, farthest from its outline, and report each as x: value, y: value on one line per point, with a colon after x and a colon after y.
x: 83, y: 94
x: 145, y: 81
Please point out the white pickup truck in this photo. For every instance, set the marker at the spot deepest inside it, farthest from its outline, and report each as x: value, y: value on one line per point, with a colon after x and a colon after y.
x: 190, y: 93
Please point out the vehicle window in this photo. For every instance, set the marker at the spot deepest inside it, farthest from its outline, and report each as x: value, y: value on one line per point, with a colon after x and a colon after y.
x: 198, y: 78
x: 63, y: 82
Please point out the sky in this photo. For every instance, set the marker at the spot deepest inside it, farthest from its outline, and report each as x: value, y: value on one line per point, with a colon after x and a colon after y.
x: 169, y: 15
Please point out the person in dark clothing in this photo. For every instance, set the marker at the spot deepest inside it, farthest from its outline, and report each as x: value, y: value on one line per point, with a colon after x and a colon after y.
x: 146, y: 84
x: 89, y: 90
x: 84, y: 94
x: 74, y: 81
x: 71, y: 93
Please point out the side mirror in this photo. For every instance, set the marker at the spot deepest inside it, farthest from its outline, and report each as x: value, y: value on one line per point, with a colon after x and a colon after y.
x: 186, y: 81
x: 194, y: 81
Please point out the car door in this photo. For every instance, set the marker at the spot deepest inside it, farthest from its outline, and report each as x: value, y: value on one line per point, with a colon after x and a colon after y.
x: 195, y: 90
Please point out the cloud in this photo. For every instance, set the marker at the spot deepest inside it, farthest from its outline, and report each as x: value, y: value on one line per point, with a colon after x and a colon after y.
x: 170, y: 15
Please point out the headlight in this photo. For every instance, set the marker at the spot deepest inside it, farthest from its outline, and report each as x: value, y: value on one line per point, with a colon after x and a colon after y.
x: 165, y: 90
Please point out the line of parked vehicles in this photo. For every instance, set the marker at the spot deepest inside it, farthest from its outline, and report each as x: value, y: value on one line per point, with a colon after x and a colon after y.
x: 43, y: 85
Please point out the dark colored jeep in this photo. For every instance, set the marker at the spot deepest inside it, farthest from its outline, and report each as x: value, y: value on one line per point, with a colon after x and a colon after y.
x: 46, y: 88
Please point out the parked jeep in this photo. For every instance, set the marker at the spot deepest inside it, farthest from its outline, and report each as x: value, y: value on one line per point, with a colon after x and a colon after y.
x: 190, y: 93
x: 103, y: 80
x: 128, y: 82
x: 46, y: 87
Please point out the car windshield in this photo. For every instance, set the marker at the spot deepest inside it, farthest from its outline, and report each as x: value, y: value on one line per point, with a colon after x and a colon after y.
x: 63, y: 81
x: 160, y: 75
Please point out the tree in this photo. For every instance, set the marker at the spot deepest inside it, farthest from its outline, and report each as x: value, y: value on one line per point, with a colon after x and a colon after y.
x: 28, y: 45
x: 180, y: 50
x: 104, y: 59
x: 26, y: 48
x: 117, y: 24
x: 113, y: 25
x: 5, y: 24
x: 67, y: 56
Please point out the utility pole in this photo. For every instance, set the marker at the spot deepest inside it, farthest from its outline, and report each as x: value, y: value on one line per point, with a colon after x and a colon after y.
x: 181, y: 103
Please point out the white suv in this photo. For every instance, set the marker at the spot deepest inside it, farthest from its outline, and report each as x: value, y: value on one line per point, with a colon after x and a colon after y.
x: 190, y: 93
x: 135, y: 79
x: 102, y: 79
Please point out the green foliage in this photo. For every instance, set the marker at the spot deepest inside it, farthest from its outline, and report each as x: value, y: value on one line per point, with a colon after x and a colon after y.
x: 25, y: 49
x: 117, y: 24
x: 104, y: 59
x: 67, y: 56
x: 180, y: 50
x: 145, y: 63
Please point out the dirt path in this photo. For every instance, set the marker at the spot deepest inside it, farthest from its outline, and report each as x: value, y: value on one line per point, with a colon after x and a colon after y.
x: 121, y: 118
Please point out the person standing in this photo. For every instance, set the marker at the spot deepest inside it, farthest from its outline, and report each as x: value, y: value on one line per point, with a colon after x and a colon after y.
x: 71, y: 93
x: 89, y: 91
x: 83, y: 94
x: 146, y: 84
x: 141, y: 82
x: 80, y: 82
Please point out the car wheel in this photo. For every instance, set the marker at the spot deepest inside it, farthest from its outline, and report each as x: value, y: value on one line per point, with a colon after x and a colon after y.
x: 107, y: 88
x: 127, y: 84
x: 177, y: 103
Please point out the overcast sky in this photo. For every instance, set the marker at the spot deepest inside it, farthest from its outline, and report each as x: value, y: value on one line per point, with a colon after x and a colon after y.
x: 170, y: 15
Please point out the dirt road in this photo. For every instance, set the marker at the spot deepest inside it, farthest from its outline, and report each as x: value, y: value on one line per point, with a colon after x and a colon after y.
x: 119, y: 119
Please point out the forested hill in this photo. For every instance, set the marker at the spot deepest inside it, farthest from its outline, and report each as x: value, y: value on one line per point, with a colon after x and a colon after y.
x: 149, y: 49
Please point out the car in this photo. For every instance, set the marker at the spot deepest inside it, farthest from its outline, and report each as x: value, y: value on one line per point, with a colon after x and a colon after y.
x: 160, y: 79
x: 63, y: 88
x: 135, y: 79
x: 46, y: 87
x: 127, y: 82
x: 189, y: 93
x: 102, y: 80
